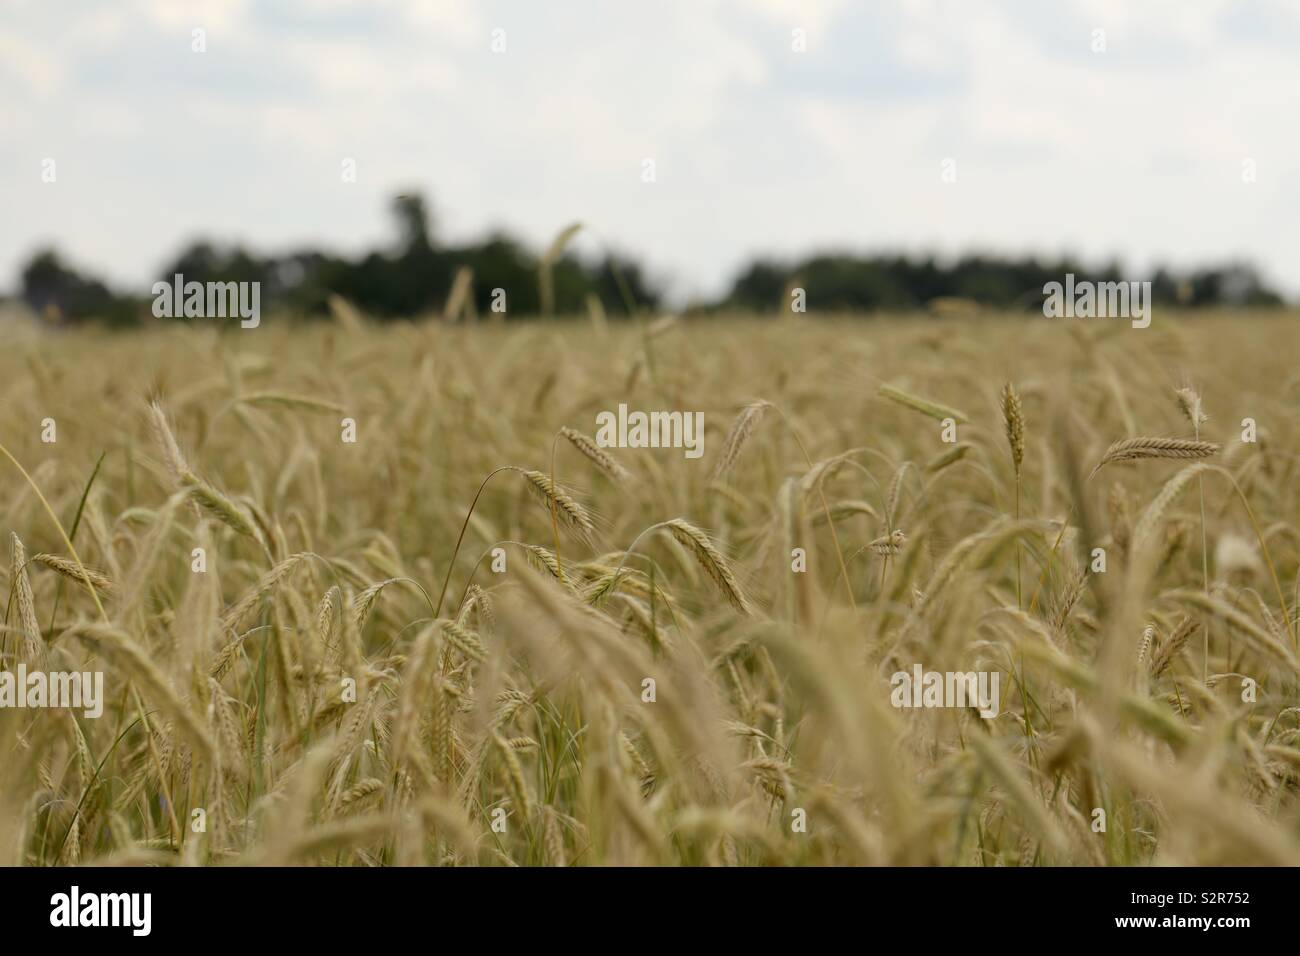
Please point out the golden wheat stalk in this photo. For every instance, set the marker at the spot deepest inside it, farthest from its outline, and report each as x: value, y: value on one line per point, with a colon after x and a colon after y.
x: 545, y: 558
x: 514, y: 775
x: 304, y: 403
x: 360, y: 793
x: 916, y: 403
x: 484, y: 608
x: 1190, y: 404
x: 70, y: 569
x: 1014, y: 420
x: 325, y: 615
x: 887, y: 544
x: 711, y: 559
x: 572, y: 515
x: 1136, y: 449
x: 218, y: 505
x: 1068, y: 599
x: 742, y: 427
x: 464, y: 640
x: 840, y: 510
x: 267, y: 583
x: 33, y: 644
x: 949, y: 457
x: 1144, y: 647
x: 1169, y: 649
x: 162, y: 432
x: 595, y: 454
x: 365, y: 602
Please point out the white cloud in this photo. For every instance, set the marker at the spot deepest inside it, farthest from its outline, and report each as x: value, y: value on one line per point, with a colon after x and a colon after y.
x: 1136, y: 151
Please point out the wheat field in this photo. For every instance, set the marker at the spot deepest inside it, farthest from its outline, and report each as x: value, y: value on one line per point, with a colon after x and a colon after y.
x: 350, y: 673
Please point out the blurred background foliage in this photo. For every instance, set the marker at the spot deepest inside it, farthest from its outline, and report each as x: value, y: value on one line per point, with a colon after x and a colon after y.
x: 416, y: 273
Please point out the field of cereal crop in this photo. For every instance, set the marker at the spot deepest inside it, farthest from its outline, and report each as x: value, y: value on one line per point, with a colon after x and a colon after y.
x: 314, y: 652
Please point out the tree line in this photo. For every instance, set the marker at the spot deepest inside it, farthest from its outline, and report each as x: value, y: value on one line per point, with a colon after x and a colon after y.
x: 417, y: 274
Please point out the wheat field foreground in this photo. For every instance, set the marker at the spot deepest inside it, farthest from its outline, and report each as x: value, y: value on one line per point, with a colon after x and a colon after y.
x: 626, y: 662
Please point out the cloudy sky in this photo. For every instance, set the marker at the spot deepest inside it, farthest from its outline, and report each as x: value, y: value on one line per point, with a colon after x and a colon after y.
x: 1137, y: 151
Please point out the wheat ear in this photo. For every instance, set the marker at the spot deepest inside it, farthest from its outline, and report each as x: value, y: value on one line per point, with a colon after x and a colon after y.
x: 711, y: 559
x: 70, y: 569
x: 1168, y: 649
x: 572, y: 515
x: 218, y: 505
x: 33, y: 646
x: 1014, y: 420
x: 923, y: 405
x: 1134, y: 449
x: 742, y: 427
x: 595, y: 454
